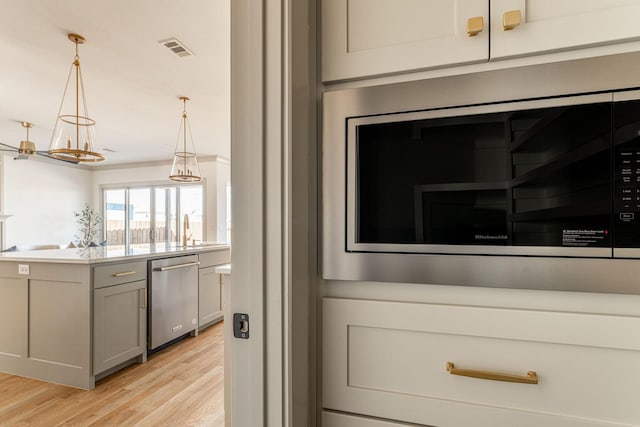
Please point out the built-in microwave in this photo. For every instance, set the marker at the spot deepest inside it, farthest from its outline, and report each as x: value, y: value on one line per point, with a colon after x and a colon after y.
x: 554, y: 177
x: 535, y: 193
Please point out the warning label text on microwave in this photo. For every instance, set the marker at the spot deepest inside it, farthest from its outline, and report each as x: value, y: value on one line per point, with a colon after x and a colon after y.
x: 583, y: 237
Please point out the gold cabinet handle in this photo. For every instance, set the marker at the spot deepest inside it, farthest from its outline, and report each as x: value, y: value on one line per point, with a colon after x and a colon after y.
x: 511, y: 19
x: 124, y: 273
x: 530, y: 378
x: 475, y: 26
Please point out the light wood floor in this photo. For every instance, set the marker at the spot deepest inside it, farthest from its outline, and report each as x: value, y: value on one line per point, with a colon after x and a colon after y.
x: 182, y: 385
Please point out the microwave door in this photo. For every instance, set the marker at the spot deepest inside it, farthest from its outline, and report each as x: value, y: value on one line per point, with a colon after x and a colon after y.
x: 534, y: 180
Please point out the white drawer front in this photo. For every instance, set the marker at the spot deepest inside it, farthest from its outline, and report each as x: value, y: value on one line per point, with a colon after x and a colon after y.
x: 389, y: 360
x: 116, y: 274
x: 331, y: 419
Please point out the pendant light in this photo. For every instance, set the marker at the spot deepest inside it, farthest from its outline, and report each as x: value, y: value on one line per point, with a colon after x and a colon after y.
x: 73, y: 134
x: 185, y: 163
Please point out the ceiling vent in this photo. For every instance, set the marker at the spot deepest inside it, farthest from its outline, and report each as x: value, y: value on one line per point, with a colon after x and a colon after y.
x: 177, y: 47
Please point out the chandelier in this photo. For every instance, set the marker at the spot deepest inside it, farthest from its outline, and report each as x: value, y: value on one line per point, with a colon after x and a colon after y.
x: 185, y: 163
x: 73, y: 134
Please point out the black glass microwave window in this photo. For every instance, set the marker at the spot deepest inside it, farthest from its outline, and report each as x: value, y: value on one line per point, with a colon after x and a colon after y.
x: 529, y: 178
x: 561, y: 174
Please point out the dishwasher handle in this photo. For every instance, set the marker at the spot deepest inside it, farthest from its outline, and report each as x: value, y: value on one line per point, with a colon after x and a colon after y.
x: 174, y: 267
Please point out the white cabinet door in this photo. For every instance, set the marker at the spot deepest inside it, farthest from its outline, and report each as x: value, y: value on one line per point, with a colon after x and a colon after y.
x: 120, y: 324
x: 14, y: 320
x: 209, y: 297
x: 373, y: 37
x: 552, y: 25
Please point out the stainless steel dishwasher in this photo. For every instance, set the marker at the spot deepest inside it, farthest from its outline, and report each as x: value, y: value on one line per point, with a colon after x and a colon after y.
x: 173, y: 299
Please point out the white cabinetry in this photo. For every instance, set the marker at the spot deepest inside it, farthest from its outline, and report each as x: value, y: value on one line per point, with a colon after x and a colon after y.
x: 389, y: 360
x: 551, y: 25
x: 45, y: 330
x: 209, y: 297
x: 119, y: 314
x: 373, y: 37
x: 365, y: 38
x: 14, y: 316
x: 210, y: 293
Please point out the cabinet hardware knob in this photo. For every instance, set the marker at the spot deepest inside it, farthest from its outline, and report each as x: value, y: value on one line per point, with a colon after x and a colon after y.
x: 511, y: 19
x: 530, y: 378
x: 475, y: 26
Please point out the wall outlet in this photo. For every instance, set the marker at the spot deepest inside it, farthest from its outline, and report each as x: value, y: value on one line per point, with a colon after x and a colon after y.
x: 23, y: 268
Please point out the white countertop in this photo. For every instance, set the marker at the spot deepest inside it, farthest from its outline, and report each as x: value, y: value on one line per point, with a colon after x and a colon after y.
x: 101, y: 254
x: 223, y: 269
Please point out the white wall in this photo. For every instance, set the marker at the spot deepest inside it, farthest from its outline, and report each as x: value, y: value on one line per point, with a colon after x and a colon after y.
x: 212, y: 171
x: 42, y: 196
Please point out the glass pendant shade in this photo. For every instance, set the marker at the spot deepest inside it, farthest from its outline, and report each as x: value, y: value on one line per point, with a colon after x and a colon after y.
x: 73, y: 133
x: 185, y: 163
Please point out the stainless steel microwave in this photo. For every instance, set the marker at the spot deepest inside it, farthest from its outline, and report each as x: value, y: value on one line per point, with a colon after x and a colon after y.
x: 481, y: 194
x: 523, y: 178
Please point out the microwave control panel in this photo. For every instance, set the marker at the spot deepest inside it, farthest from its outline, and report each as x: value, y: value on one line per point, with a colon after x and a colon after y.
x: 626, y: 201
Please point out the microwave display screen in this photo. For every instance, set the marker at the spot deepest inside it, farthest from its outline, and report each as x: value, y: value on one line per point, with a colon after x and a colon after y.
x: 535, y: 177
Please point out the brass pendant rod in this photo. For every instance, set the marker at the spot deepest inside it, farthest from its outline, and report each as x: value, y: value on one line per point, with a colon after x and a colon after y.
x: 184, y: 136
x: 76, y: 62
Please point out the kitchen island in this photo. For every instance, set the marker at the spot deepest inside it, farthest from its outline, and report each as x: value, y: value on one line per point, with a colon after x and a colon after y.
x: 72, y: 316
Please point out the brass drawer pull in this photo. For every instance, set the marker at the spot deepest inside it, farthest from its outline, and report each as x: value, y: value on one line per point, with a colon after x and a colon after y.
x: 511, y: 19
x: 475, y: 26
x: 530, y: 378
x: 124, y: 273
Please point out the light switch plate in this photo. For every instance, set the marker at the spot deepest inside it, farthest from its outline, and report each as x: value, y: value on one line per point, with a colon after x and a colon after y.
x: 23, y: 268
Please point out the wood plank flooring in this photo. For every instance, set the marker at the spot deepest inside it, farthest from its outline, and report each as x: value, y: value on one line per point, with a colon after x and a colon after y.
x: 182, y: 385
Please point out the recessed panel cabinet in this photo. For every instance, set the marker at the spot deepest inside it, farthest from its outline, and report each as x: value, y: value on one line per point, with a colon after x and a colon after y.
x: 457, y: 366
x: 14, y: 318
x: 210, y: 290
x: 526, y: 27
x: 119, y: 315
x: 365, y: 38
x: 210, y: 296
x: 372, y: 37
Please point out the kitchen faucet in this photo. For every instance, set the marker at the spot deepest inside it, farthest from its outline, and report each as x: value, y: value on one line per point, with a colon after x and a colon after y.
x: 185, y: 227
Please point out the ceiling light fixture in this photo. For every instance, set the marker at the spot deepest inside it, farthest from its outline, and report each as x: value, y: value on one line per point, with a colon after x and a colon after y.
x: 185, y: 163
x: 27, y: 148
x: 73, y: 133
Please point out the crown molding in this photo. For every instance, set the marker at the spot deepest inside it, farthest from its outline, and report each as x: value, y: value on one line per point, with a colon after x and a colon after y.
x: 132, y: 165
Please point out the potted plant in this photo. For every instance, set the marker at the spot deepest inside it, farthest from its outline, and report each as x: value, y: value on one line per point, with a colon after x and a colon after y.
x: 90, y: 223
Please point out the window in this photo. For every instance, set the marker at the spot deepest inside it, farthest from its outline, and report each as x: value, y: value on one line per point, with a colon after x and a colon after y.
x: 153, y: 214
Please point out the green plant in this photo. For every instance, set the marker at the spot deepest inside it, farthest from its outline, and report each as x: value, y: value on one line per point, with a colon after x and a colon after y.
x: 90, y: 225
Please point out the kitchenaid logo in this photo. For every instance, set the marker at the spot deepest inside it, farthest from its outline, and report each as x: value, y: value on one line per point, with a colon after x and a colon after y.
x: 491, y: 237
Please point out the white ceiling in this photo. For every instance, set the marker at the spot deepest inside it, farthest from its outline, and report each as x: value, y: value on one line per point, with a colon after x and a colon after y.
x: 132, y: 82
